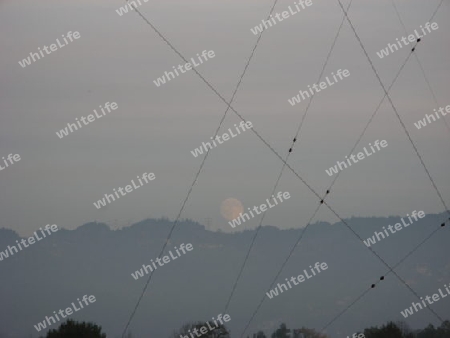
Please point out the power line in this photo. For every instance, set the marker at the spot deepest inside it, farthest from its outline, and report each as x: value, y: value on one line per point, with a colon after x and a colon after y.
x: 443, y: 224
x: 336, y: 177
x: 422, y: 70
x: 327, y: 192
x: 392, y: 104
x: 257, y: 134
x: 280, y: 270
x: 296, y: 138
x: 404, y: 127
x: 390, y: 270
x: 366, y: 127
x: 204, y: 158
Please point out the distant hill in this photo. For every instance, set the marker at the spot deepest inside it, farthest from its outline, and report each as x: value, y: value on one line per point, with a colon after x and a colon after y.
x: 95, y: 260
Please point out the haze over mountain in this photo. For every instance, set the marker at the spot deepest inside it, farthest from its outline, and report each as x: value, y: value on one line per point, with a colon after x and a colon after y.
x: 95, y: 260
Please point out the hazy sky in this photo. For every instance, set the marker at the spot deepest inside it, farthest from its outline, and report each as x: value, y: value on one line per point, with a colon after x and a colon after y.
x: 154, y: 129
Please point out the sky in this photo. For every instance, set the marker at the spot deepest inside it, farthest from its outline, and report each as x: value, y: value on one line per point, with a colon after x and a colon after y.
x: 154, y: 129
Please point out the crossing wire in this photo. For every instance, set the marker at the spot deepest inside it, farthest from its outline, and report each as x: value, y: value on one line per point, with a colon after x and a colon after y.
x: 392, y: 103
x: 390, y: 270
x: 428, y: 237
x: 204, y: 158
x: 301, y: 236
x: 295, y: 139
x: 422, y: 70
x: 254, y: 131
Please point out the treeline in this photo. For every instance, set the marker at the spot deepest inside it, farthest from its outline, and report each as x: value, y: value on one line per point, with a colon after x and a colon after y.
x: 72, y: 329
x: 389, y: 330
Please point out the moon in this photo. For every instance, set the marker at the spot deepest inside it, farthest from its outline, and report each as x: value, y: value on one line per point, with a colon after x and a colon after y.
x: 231, y: 208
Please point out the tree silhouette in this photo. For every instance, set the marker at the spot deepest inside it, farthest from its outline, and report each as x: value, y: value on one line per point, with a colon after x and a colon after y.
x: 405, y: 329
x: 444, y: 330
x: 308, y: 333
x: 72, y: 329
x: 428, y: 332
x: 186, y: 330
x: 390, y: 330
x: 281, y: 332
